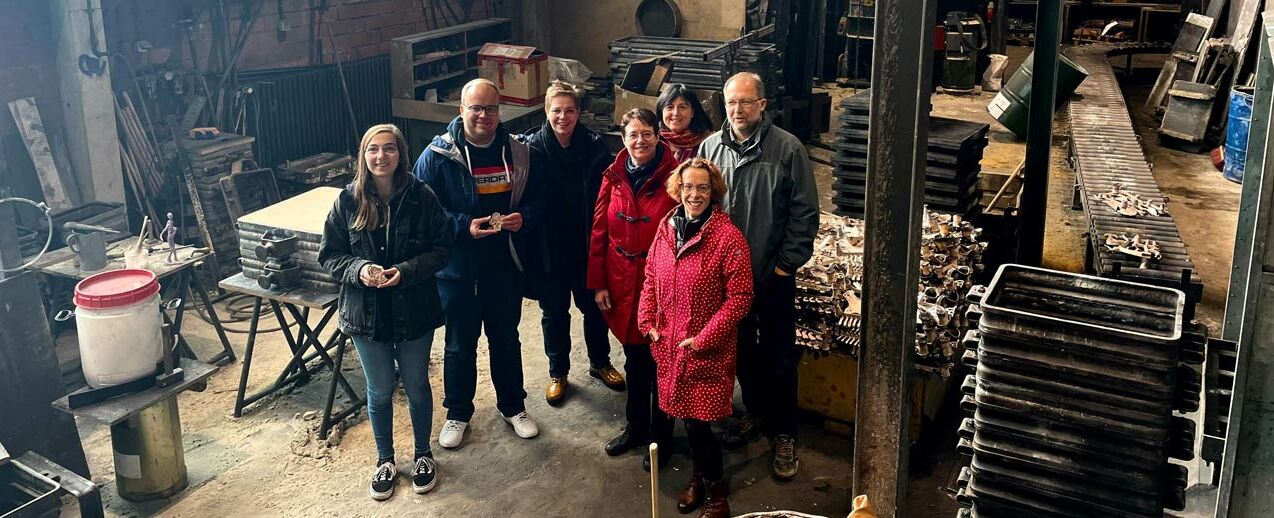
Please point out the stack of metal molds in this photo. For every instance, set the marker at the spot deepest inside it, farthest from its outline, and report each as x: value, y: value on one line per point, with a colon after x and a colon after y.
x: 211, y: 160
x: 1076, y: 381
x: 690, y: 68
x: 829, y: 288
x: 1108, y: 159
x: 303, y: 174
x: 951, y: 172
x: 300, y: 218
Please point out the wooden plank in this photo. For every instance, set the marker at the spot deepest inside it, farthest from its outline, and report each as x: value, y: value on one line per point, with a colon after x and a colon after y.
x: 58, y: 193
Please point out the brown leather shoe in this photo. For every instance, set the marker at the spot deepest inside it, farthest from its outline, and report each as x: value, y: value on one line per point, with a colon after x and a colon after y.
x: 716, y: 505
x: 692, y: 496
x: 610, y: 377
x: 556, y: 391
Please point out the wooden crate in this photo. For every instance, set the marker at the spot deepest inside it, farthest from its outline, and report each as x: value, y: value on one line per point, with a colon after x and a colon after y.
x: 990, y: 183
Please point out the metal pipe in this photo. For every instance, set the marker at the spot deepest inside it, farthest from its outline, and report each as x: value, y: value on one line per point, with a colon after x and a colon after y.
x: 897, y: 148
x: 1039, y: 134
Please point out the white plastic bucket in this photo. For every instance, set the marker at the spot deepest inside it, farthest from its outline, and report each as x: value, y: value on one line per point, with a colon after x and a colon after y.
x: 120, y: 328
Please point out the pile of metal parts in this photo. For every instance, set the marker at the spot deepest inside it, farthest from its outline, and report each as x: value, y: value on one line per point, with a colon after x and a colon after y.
x: 951, y: 171
x: 279, y: 244
x: 829, y: 287
x: 1130, y: 203
x: 303, y: 174
x: 1075, y: 382
x: 691, y: 69
x: 210, y: 160
x: 1144, y: 249
x: 1108, y: 158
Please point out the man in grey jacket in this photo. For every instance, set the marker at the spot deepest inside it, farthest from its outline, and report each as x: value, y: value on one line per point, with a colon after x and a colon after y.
x: 773, y: 199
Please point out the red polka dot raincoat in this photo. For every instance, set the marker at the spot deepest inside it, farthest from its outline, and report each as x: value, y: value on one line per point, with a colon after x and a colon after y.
x: 701, y: 291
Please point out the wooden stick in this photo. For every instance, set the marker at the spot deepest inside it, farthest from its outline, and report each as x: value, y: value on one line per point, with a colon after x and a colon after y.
x: 1018, y: 172
x: 654, y: 480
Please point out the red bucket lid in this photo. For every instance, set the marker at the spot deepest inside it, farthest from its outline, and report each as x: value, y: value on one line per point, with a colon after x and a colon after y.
x: 115, y: 288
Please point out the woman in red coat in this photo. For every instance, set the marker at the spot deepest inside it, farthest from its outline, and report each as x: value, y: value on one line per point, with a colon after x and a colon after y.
x: 698, y: 286
x: 630, y: 203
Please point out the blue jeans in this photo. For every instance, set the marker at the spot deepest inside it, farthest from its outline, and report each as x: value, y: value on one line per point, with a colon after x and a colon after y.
x: 378, y: 360
x: 491, y: 303
x: 555, y: 303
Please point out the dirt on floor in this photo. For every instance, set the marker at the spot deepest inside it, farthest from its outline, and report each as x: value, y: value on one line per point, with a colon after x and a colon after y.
x: 270, y: 462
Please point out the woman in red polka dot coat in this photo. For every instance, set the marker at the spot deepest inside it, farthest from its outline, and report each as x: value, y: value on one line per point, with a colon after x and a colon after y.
x: 698, y: 286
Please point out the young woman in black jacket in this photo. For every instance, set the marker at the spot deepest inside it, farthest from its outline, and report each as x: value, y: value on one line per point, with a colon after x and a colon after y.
x: 384, y: 240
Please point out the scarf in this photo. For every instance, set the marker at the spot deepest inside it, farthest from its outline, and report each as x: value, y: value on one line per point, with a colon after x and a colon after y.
x: 638, y: 174
x: 686, y: 226
x: 684, y: 145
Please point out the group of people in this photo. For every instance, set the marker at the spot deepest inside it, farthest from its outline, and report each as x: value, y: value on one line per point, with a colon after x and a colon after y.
x: 683, y: 247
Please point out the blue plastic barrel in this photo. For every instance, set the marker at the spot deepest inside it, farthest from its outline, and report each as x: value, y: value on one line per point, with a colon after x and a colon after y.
x: 1236, y: 131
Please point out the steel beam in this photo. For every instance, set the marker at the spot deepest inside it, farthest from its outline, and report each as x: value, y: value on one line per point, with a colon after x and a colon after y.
x: 1039, y: 133
x: 1247, y: 477
x: 896, y: 149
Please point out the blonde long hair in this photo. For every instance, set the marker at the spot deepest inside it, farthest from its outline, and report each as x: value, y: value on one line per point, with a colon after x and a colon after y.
x: 368, y: 215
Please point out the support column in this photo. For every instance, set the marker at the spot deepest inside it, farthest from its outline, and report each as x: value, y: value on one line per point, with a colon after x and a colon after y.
x: 534, y: 19
x: 1039, y: 134
x: 87, y: 100
x: 896, y: 150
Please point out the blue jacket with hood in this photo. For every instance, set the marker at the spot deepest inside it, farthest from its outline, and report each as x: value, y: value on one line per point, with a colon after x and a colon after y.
x: 445, y: 169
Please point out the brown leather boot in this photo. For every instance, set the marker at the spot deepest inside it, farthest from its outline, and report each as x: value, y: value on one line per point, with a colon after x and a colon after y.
x: 716, y: 506
x: 692, y: 496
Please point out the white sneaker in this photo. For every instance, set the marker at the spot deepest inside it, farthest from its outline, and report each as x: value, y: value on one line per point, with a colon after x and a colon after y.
x: 523, y: 425
x: 452, y: 434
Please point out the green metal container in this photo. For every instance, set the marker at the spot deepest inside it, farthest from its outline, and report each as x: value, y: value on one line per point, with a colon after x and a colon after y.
x: 1011, y: 105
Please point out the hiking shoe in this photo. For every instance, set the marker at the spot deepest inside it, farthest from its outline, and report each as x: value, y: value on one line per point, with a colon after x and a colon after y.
x: 452, y: 433
x: 523, y: 425
x: 424, y: 476
x: 743, y: 433
x: 383, y: 481
x: 785, y: 461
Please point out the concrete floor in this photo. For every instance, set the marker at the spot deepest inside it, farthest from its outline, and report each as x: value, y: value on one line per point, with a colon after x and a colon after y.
x: 269, y: 463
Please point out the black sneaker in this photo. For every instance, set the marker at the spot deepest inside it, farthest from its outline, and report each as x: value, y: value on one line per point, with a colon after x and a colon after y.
x: 383, y: 481
x: 785, y: 461
x: 743, y: 433
x: 424, y: 476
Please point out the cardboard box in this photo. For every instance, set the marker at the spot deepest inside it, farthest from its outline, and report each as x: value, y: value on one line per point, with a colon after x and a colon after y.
x: 642, y: 83
x: 519, y: 71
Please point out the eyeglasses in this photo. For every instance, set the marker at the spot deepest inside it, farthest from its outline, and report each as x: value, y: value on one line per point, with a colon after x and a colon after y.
x: 643, y: 135
x: 701, y: 189
x: 490, y: 109
x: 746, y: 103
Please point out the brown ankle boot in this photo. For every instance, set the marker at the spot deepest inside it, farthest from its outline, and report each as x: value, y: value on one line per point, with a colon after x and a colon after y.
x: 692, y: 496
x: 716, y: 506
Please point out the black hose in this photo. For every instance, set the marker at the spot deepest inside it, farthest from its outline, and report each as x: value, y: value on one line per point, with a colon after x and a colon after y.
x: 238, y: 308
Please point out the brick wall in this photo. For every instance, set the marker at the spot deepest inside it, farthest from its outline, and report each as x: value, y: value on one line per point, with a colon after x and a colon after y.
x: 295, y: 35
x: 26, y: 70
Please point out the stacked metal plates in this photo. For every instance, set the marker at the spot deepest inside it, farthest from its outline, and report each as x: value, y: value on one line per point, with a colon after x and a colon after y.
x: 210, y: 161
x: 951, y: 172
x: 302, y: 215
x: 303, y: 174
x: 1107, y: 155
x: 690, y: 68
x: 1076, y: 381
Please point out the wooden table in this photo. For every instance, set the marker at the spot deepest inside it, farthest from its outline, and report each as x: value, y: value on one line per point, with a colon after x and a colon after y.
x: 297, y: 302
x: 180, y: 274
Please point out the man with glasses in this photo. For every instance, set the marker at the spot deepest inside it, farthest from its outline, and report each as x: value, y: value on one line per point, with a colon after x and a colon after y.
x: 773, y: 199
x: 481, y: 175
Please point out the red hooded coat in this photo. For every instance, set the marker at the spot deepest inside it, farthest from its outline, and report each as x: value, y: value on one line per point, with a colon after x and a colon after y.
x: 700, y: 292
x: 624, y: 224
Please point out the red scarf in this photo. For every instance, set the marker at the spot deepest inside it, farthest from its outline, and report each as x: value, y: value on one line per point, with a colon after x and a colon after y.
x: 684, y: 145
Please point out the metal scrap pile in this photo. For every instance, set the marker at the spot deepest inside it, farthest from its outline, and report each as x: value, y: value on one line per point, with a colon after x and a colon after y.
x: 829, y: 287
x: 1130, y: 203
x: 1145, y: 249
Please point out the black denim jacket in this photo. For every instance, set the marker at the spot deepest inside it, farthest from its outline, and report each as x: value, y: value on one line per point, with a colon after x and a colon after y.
x: 421, y: 247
